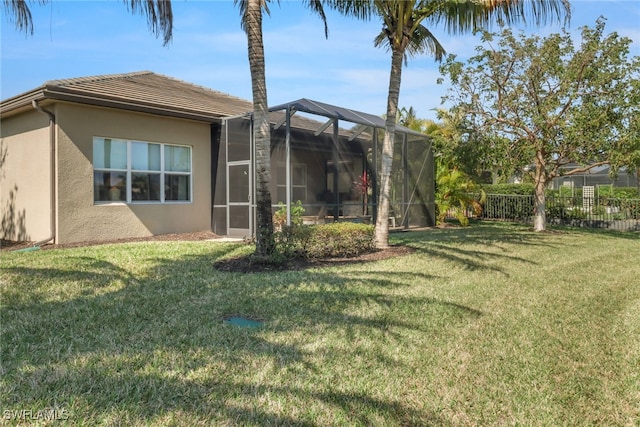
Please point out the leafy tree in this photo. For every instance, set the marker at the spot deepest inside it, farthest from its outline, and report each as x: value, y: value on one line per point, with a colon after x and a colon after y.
x: 480, y: 156
x: 554, y: 103
x: 404, y: 34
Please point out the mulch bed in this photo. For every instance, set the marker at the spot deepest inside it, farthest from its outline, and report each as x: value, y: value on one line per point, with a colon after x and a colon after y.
x: 246, y: 264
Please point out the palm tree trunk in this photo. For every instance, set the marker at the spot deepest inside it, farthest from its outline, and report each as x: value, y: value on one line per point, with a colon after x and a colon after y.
x: 261, y: 132
x: 382, y: 222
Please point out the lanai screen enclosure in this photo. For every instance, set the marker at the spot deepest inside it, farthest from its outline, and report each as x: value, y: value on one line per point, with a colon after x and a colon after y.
x: 326, y: 157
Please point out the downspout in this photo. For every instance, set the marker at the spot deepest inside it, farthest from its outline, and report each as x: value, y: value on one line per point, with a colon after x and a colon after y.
x: 52, y: 160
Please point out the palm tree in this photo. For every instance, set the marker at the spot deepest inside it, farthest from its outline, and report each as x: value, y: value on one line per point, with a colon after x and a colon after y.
x: 454, y: 194
x: 408, y: 118
x: 251, y: 11
x: 405, y: 35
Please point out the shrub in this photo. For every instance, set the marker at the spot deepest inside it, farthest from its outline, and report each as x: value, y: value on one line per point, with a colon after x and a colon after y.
x: 556, y: 210
x: 291, y: 240
x: 454, y: 196
x: 626, y: 192
x: 520, y: 189
x: 280, y: 217
x: 335, y: 240
x: 340, y: 239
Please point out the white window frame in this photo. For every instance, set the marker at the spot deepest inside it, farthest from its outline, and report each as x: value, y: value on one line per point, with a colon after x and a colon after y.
x: 129, y: 171
x: 306, y: 178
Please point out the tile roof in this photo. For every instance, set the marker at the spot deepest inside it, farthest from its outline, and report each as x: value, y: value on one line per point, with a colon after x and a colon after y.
x: 140, y: 91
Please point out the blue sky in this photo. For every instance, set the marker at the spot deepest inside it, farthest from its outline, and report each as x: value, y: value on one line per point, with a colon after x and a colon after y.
x: 84, y: 38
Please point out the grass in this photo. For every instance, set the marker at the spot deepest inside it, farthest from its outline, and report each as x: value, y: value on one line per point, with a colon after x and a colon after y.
x: 486, y: 325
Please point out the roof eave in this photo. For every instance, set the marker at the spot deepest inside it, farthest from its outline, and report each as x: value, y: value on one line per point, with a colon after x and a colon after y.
x: 54, y: 92
x: 21, y: 102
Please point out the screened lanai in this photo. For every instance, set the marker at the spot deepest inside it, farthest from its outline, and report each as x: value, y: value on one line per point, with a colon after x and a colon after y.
x: 327, y: 159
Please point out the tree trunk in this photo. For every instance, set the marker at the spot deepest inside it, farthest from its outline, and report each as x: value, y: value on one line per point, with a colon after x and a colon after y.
x: 540, y: 215
x: 261, y: 132
x: 495, y: 177
x: 382, y: 221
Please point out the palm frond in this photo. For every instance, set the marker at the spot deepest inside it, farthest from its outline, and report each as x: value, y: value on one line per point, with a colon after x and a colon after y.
x: 242, y: 8
x: 402, y: 29
x: 18, y: 12
x: 317, y: 8
x: 159, y: 16
x: 423, y: 41
x: 359, y: 9
x: 462, y: 16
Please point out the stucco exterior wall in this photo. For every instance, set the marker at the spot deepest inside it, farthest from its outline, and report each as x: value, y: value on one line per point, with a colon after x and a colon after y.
x: 80, y: 219
x: 25, y: 177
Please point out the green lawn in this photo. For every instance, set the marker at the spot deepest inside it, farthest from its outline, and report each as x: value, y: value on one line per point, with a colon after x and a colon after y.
x: 486, y: 325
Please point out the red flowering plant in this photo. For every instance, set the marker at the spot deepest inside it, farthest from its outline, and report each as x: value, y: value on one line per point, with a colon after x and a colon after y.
x: 361, y: 189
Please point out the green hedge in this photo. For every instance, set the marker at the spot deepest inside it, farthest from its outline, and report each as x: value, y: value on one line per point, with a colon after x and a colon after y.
x: 335, y: 240
x: 520, y: 189
x: 602, y: 191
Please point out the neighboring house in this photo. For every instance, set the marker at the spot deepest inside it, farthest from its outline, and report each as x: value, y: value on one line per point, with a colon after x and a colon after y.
x: 596, y: 177
x: 140, y: 154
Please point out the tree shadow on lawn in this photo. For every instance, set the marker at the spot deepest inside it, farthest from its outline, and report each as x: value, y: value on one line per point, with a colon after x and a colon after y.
x: 447, y: 243
x: 158, y: 345
x: 457, y: 244
x: 486, y: 233
x: 603, y: 232
x: 472, y: 259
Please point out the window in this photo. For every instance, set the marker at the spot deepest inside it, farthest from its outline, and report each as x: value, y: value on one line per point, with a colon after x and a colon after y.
x: 298, y: 182
x: 136, y: 171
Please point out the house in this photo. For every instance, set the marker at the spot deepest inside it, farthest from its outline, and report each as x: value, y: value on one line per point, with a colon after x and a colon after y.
x: 598, y: 176
x: 140, y: 154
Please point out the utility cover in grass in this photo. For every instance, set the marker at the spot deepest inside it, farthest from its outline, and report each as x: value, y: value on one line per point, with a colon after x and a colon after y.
x: 242, y: 322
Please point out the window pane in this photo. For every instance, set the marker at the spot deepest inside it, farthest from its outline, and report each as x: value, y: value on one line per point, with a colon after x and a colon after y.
x: 299, y: 175
x: 239, y: 142
x: 239, y: 217
x: 145, y: 157
x: 145, y: 186
x: 109, y: 186
x: 299, y: 193
x: 281, y: 197
x: 176, y: 187
x: 239, y: 183
x: 109, y: 153
x: 177, y: 159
